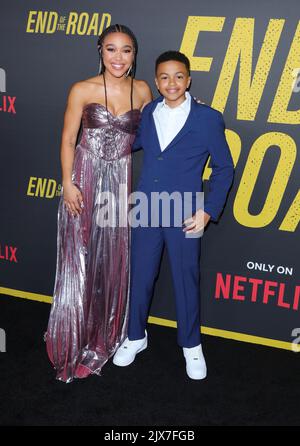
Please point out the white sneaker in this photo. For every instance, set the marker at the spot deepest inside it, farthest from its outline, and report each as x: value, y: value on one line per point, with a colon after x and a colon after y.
x: 195, y: 362
x: 127, y: 352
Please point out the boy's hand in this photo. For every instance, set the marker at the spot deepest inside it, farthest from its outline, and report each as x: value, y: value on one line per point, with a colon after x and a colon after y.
x: 198, y: 100
x: 197, y: 222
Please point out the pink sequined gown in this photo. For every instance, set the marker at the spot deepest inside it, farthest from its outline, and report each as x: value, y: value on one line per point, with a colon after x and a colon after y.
x: 88, y: 318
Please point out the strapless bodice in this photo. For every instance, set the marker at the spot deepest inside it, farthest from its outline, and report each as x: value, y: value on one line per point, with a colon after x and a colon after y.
x: 95, y: 115
x: 106, y: 136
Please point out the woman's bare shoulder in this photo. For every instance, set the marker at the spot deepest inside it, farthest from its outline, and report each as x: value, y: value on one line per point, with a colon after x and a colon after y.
x: 143, y: 90
x: 85, y: 88
x: 87, y: 85
x: 141, y: 86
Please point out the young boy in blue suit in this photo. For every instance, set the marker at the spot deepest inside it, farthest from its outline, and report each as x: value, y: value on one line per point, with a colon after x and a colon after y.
x: 177, y: 135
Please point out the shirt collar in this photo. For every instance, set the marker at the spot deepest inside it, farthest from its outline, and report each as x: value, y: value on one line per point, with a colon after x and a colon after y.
x: 184, y: 106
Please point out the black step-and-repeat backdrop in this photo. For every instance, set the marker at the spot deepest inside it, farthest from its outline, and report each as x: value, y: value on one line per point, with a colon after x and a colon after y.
x: 245, y: 59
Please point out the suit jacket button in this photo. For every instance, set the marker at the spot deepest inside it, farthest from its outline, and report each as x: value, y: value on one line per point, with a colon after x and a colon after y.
x: 155, y: 180
x: 160, y: 158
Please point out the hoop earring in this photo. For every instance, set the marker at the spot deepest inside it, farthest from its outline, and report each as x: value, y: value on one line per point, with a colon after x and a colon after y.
x: 100, y: 63
x: 128, y: 71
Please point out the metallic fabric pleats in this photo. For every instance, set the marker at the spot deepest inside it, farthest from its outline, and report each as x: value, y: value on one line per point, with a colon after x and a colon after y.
x: 88, y: 318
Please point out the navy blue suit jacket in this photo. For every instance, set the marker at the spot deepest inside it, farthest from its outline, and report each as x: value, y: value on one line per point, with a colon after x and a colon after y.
x: 179, y: 167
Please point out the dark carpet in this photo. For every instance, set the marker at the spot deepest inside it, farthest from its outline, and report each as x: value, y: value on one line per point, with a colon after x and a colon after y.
x: 246, y: 384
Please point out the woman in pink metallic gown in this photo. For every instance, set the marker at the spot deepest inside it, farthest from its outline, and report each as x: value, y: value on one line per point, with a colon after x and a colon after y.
x: 88, y: 318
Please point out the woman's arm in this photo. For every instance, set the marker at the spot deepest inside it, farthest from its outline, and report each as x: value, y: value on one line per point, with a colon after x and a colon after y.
x: 72, y: 119
x: 146, y: 94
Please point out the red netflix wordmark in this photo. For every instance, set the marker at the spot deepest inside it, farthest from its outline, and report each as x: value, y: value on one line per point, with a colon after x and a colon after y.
x: 245, y: 288
x: 8, y: 104
x: 8, y: 253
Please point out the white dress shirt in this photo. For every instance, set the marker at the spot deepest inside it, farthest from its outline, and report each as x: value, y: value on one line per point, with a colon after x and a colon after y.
x: 169, y: 121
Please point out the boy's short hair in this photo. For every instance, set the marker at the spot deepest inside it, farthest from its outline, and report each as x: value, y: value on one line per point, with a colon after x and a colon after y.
x: 173, y: 55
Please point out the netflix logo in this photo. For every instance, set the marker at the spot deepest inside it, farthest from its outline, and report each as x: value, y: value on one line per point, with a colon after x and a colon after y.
x: 8, y: 253
x: 7, y: 103
x: 251, y: 289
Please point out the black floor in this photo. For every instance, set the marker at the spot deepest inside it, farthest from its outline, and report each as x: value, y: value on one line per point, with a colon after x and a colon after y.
x: 246, y: 384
